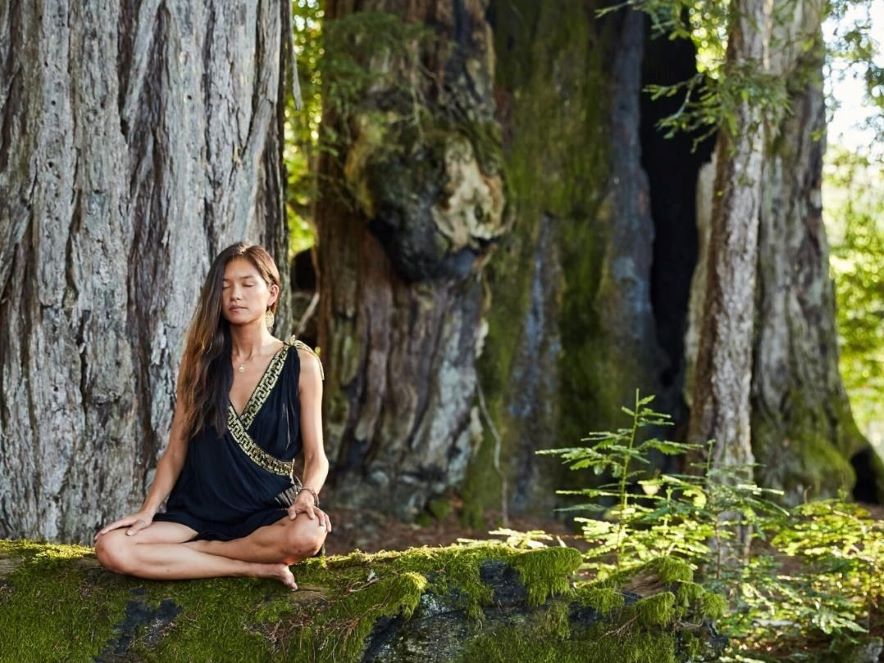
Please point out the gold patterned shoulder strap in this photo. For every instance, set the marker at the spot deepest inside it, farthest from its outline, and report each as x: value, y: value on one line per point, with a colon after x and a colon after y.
x: 300, y: 345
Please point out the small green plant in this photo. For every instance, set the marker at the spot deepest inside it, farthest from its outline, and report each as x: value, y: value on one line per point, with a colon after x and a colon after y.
x: 521, y: 540
x: 624, y: 456
x: 811, y: 574
x: 690, y: 516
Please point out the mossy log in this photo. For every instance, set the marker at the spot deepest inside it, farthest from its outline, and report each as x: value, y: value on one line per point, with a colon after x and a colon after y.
x: 483, y: 602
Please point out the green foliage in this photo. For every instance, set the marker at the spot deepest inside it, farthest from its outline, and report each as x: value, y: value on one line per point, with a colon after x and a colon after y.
x: 854, y: 52
x: 713, y: 103
x: 713, y: 97
x: 670, y: 515
x: 854, y: 202
x: 301, y: 127
x: 814, y: 572
x: 819, y: 579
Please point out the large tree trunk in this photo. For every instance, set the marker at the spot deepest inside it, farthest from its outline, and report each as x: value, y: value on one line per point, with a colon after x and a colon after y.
x: 402, y: 238
x: 720, y: 402
x: 803, y: 432
x: 138, y: 139
x: 570, y: 330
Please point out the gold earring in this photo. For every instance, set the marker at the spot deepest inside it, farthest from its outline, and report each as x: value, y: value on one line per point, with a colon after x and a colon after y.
x: 269, y: 319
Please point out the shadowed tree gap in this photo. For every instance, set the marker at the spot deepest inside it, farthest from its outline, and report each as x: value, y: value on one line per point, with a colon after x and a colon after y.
x: 672, y: 168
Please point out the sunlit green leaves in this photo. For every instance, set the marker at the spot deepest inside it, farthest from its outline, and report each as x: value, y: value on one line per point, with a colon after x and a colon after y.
x: 854, y: 202
x: 834, y: 550
x: 301, y: 126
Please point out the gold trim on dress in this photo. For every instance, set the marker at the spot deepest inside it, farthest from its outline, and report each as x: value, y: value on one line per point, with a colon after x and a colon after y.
x: 239, y: 424
x: 303, y: 346
x: 258, y: 456
x: 265, y: 385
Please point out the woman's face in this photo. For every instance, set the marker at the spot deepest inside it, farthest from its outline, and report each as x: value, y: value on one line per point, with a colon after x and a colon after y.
x: 245, y: 295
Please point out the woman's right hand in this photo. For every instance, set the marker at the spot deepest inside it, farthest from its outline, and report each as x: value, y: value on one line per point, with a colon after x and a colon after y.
x: 135, y: 522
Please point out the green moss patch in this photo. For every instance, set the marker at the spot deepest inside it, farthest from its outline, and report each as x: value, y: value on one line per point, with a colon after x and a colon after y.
x: 546, y: 571
x: 72, y: 609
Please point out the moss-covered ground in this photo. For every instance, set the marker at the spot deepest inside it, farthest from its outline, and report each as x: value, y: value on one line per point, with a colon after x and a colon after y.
x: 56, y: 603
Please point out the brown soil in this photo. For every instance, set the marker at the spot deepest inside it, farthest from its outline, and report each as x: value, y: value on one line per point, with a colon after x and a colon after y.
x: 370, y: 531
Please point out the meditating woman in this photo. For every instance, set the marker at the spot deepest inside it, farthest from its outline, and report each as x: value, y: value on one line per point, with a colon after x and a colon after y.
x: 247, y: 405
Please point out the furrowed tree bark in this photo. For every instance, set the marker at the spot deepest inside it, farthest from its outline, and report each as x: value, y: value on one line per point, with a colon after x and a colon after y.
x: 138, y: 140
x: 402, y: 242
x: 720, y: 403
x: 803, y: 433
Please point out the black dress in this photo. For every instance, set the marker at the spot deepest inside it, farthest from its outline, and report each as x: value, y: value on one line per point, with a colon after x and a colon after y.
x: 230, y: 485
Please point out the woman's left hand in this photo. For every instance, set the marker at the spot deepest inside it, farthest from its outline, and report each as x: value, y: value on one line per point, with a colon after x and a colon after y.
x: 304, y: 504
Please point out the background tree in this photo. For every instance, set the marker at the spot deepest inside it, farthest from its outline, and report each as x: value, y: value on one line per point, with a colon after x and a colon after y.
x: 720, y: 402
x: 802, y: 431
x: 412, y: 205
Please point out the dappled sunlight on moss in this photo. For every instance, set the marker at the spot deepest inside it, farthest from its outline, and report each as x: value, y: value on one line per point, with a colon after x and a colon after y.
x: 547, y: 571
x: 602, y: 599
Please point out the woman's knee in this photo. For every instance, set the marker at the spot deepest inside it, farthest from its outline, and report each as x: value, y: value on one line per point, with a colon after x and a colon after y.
x: 114, y: 552
x: 304, y: 539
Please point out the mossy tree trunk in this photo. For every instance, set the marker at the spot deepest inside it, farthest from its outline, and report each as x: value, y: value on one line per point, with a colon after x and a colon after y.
x: 413, y: 204
x: 138, y: 139
x: 487, y: 603
x: 802, y: 431
x: 571, y: 330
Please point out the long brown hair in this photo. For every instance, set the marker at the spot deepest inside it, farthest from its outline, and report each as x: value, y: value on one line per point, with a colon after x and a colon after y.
x: 205, y: 376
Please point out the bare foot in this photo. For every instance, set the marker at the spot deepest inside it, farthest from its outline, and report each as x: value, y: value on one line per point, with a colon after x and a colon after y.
x: 282, y: 573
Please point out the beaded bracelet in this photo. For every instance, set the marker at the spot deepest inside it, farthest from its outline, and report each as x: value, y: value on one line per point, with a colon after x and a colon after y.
x: 312, y: 492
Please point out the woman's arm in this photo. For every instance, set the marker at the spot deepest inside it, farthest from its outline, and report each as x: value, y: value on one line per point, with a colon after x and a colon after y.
x: 315, y: 460
x: 168, y: 467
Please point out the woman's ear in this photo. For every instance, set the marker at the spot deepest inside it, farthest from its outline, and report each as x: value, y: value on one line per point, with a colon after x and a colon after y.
x: 274, y: 294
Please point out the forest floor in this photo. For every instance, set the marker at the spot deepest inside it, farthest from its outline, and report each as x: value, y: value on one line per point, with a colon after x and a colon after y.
x: 371, y: 531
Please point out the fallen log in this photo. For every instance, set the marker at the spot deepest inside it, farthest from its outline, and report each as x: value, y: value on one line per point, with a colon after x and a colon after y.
x: 478, y: 602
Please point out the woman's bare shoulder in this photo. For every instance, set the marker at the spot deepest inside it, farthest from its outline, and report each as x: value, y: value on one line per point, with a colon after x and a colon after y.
x: 309, y: 357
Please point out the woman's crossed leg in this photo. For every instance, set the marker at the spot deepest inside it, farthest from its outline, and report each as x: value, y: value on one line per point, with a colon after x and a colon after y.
x: 288, y: 540
x: 161, y: 551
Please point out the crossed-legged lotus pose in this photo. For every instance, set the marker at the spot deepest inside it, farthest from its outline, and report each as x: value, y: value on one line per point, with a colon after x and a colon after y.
x: 247, y: 405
